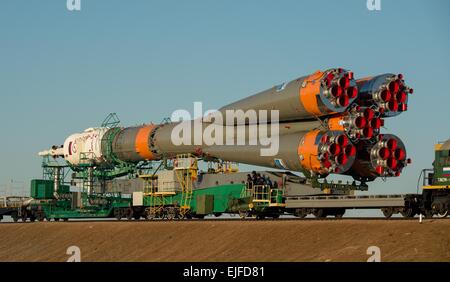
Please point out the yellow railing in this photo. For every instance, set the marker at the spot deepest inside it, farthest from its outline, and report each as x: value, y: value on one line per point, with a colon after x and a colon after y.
x: 261, y: 193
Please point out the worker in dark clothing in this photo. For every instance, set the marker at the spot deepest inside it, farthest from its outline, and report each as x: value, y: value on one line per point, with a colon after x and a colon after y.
x: 260, y: 180
x: 249, y: 179
x: 255, y: 180
x: 268, y: 181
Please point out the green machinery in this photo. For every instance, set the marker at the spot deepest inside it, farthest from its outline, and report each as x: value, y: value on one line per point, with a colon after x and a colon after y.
x: 169, y: 194
x: 176, y: 199
x: 54, y: 199
x: 168, y: 190
x: 436, y: 183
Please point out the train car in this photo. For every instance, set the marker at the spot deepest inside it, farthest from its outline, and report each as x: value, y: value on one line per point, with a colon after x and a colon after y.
x: 436, y: 188
x: 13, y: 206
x: 185, y: 192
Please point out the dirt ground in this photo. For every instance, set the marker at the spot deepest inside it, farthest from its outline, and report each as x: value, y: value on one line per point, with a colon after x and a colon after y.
x: 329, y: 240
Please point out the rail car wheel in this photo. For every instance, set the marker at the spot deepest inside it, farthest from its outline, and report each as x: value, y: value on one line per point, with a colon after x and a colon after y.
x: 24, y: 216
x: 319, y: 213
x: 339, y: 213
x: 129, y: 213
x: 56, y: 219
x: 118, y: 214
x: 137, y: 216
x: 150, y: 214
x: 65, y: 219
x: 162, y: 213
x: 387, y: 212
x: 15, y: 216
x: 407, y: 212
x: 242, y: 214
x: 40, y: 217
x: 301, y: 213
x: 171, y: 213
x: 185, y: 213
x: 260, y: 217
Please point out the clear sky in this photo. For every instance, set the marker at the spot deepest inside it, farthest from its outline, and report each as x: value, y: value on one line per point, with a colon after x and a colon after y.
x: 63, y: 71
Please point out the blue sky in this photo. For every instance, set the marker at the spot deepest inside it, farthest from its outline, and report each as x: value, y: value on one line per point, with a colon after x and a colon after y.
x: 62, y: 71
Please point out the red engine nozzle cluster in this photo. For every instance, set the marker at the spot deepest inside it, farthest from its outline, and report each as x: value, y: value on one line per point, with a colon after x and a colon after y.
x: 367, y: 103
x: 340, y: 87
x: 363, y: 123
x: 388, y: 156
x: 391, y: 96
x: 336, y: 152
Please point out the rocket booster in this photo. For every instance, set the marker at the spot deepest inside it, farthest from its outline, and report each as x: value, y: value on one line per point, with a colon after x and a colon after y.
x: 321, y: 152
x: 387, y: 93
x: 315, y: 95
x: 328, y: 122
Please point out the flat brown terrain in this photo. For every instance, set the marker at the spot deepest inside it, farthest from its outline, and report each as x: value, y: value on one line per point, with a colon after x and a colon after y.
x: 329, y: 240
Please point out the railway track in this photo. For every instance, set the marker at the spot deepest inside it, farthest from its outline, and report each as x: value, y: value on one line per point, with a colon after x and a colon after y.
x: 231, y: 220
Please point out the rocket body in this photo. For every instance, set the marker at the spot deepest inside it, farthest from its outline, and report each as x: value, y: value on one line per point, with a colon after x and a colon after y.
x: 327, y: 122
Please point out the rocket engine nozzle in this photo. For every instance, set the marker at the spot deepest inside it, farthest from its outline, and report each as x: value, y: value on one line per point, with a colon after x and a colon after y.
x: 387, y: 92
x: 339, y: 89
x: 325, y: 152
x: 359, y: 123
x: 384, y: 158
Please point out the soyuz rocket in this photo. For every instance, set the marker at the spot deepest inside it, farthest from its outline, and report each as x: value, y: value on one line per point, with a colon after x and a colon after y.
x: 329, y: 122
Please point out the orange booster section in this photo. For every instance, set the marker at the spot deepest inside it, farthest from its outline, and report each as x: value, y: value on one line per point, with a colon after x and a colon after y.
x: 324, y: 152
x: 326, y: 92
x: 308, y: 152
x: 142, y: 142
x: 308, y: 93
x: 358, y: 123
